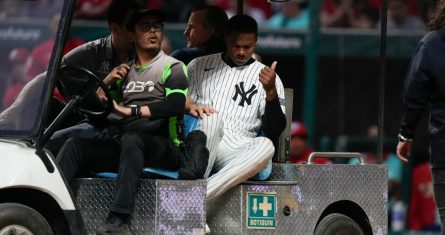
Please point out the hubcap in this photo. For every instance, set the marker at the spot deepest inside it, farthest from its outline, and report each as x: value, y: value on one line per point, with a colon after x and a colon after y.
x: 15, y: 229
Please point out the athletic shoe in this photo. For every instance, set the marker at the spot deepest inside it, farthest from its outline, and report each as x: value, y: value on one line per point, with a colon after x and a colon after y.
x: 196, y: 156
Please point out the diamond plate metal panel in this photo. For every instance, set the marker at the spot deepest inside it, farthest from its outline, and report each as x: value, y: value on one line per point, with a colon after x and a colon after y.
x: 307, y: 190
x: 161, y: 206
x: 180, y: 207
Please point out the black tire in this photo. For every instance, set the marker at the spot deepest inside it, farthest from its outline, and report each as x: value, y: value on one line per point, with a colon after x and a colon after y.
x: 338, y: 224
x: 21, y: 218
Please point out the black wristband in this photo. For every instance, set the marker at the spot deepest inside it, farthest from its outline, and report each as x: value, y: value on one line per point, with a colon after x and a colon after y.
x: 134, y: 109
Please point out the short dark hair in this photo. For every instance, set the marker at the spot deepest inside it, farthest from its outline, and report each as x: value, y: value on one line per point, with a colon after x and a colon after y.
x: 214, y: 17
x: 240, y: 24
x: 119, y: 10
x: 137, y: 16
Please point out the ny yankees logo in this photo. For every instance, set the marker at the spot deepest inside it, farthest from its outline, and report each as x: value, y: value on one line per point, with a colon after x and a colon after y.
x: 246, y: 96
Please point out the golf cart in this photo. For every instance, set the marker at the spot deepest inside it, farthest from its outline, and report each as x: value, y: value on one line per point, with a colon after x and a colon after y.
x: 283, y: 199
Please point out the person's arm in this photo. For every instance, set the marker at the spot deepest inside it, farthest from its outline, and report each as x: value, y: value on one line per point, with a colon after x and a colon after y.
x: 176, y: 85
x: 176, y: 91
x: 274, y: 119
x: 416, y: 97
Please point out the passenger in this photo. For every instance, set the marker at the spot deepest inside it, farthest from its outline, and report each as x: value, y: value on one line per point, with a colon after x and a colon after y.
x: 204, y: 33
x: 423, y: 90
x: 249, y: 96
x: 154, y: 91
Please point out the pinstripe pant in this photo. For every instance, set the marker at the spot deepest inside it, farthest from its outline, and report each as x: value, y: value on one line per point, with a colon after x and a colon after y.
x: 233, y: 158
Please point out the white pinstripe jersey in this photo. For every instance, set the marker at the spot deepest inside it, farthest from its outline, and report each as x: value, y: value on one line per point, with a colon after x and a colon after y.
x: 236, y: 92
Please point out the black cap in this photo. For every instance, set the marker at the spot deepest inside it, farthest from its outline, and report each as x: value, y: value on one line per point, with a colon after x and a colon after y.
x: 137, y: 15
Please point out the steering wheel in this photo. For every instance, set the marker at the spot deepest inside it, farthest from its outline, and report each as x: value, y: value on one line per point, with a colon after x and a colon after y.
x: 79, y: 83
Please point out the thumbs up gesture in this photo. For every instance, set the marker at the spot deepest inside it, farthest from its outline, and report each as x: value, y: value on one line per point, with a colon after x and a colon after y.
x: 267, y: 78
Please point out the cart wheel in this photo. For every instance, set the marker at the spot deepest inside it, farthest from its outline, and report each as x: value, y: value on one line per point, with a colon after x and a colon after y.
x: 338, y: 224
x: 17, y: 219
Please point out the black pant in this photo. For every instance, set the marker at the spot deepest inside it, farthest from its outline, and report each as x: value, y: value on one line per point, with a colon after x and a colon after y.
x: 127, y: 156
x: 438, y: 172
x: 439, y: 193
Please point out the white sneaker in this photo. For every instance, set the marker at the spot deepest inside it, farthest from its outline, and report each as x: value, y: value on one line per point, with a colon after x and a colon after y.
x: 207, y: 229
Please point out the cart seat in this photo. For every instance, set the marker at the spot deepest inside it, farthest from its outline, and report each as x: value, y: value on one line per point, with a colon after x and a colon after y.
x: 190, y: 124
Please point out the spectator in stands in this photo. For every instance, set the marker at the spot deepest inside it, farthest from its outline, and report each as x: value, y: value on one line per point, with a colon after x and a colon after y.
x: 91, y: 9
x: 263, y: 6
x: 398, y: 17
x: 43, y: 8
x: 341, y: 13
x: 11, y: 9
x: 17, y: 78
x: 367, y: 19
x: 299, y: 149
x: 41, y: 54
x: 422, y: 208
x: 293, y: 15
x: 204, y: 33
x: 166, y: 46
x: 179, y: 10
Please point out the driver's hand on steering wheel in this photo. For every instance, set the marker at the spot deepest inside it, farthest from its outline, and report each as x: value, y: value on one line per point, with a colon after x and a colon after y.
x: 101, y: 95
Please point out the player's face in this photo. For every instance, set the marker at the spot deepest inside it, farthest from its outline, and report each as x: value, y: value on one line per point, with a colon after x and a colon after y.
x: 148, y: 33
x: 196, y: 33
x: 240, y: 47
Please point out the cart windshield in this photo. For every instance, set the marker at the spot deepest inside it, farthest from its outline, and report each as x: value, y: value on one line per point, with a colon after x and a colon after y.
x: 30, y: 32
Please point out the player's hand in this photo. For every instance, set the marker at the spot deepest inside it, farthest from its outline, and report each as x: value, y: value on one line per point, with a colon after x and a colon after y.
x: 404, y: 150
x: 201, y: 110
x: 117, y: 73
x: 267, y: 78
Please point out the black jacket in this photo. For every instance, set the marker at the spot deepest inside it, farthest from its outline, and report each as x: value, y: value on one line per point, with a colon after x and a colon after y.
x: 425, y: 85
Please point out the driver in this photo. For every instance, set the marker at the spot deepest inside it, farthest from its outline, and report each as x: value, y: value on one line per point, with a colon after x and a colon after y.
x: 153, y: 93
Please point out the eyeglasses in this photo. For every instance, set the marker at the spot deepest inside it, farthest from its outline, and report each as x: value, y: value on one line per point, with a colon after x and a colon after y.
x: 146, y: 26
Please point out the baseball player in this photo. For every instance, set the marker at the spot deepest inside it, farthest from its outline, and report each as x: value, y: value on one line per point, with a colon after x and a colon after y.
x: 247, y: 96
